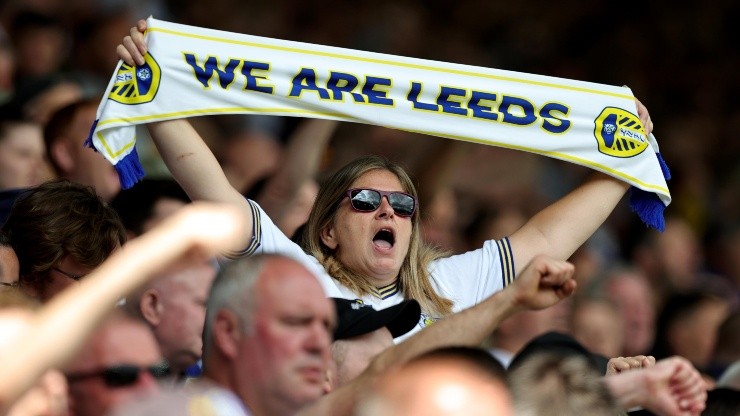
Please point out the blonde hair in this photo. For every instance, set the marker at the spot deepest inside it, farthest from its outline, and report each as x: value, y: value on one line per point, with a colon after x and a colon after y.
x: 413, y: 278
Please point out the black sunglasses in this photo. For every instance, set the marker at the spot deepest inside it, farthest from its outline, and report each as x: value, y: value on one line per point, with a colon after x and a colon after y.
x: 121, y: 375
x: 368, y: 200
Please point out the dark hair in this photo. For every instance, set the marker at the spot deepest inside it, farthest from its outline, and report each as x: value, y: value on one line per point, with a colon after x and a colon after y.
x: 677, y: 308
x: 61, y: 218
x: 136, y: 205
x: 561, y: 345
x: 4, y: 239
x: 722, y: 402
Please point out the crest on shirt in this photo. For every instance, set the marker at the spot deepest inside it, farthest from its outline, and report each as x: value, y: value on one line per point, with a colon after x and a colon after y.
x: 427, y: 320
x: 620, y: 133
x: 136, y: 84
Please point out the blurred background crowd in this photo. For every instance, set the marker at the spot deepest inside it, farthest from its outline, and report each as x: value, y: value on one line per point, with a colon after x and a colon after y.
x: 640, y: 291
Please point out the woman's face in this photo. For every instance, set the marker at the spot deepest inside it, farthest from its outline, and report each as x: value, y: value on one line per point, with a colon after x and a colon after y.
x: 373, y: 244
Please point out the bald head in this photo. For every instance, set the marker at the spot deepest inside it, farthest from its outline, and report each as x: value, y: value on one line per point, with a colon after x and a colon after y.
x: 174, y: 306
x: 448, y: 384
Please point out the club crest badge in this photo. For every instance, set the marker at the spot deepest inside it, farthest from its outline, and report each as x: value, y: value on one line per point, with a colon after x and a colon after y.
x: 136, y: 84
x: 620, y: 133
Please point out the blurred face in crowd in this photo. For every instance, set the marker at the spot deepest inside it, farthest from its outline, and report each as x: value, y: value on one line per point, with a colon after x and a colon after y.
x: 66, y: 273
x: 375, y: 243
x: 633, y: 296
x: 694, y: 337
x: 597, y: 325
x: 181, y: 303
x: 81, y: 164
x: 22, y: 153
x: 120, y: 342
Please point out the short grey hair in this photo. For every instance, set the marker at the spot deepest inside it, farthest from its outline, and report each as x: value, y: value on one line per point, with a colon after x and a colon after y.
x: 233, y: 290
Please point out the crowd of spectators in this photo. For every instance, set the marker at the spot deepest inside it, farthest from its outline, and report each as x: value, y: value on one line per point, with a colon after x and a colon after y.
x: 640, y: 292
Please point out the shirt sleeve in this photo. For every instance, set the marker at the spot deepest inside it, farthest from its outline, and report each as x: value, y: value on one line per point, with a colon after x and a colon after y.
x: 268, y: 238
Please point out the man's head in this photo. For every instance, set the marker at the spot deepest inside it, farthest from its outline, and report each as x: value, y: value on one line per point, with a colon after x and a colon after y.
x: 65, y: 134
x: 268, y: 333
x: 117, y: 364
x: 362, y: 333
x: 451, y: 381
x: 174, y: 306
x: 61, y: 231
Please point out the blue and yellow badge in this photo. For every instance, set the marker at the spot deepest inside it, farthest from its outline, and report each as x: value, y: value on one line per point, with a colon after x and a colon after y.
x: 426, y: 320
x: 620, y: 133
x: 136, y: 85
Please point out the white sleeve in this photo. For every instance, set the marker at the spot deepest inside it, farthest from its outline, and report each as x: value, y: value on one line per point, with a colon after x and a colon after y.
x: 468, y: 278
x: 268, y: 238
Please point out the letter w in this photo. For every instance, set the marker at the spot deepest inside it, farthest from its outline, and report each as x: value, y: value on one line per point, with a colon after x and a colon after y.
x: 205, y: 73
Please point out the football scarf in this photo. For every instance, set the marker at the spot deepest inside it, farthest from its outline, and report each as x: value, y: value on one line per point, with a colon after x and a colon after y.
x: 192, y: 71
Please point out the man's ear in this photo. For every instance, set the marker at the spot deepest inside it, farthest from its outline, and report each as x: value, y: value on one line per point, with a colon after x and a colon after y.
x: 62, y: 155
x: 328, y: 237
x: 226, y: 334
x: 151, y: 307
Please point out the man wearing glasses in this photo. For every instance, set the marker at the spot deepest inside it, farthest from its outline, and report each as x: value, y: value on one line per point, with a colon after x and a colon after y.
x: 60, y: 231
x: 120, y: 363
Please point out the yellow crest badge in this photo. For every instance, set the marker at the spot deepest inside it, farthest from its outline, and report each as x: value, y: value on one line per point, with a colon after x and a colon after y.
x: 136, y: 84
x: 620, y: 133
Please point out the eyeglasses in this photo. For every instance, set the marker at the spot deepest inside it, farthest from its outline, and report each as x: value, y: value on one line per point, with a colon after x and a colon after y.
x: 121, y: 375
x: 368, y: 200
x: 70, y: 275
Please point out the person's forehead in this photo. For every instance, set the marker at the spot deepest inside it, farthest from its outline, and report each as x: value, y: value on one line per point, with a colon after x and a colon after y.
x: 378, y: 179
x: 127, y: 342
x: 288, y: 285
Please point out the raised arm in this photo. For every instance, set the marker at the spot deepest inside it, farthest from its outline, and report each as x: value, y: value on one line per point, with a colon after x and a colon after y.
x: 542, y: 284
x: 186, y: 155
x: 300, y: 163
x: 561, y: 228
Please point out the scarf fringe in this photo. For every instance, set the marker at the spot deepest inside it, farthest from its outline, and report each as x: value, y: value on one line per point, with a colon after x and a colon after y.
x: 649, y: 207
x: 89, y: 141
x: 129, y: 169
x: 664, y: 167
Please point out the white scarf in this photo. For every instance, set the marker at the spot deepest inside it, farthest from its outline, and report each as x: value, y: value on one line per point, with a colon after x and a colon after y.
x: 192, y: 71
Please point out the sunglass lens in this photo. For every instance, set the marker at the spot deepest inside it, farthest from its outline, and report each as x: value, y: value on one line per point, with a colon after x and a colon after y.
x: 402, y: 204
x: 365, y: 200
x: 122, y: 375
x: 160, y: 370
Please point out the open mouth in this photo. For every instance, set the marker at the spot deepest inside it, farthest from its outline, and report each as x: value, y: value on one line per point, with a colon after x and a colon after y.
x: 384, y: 238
